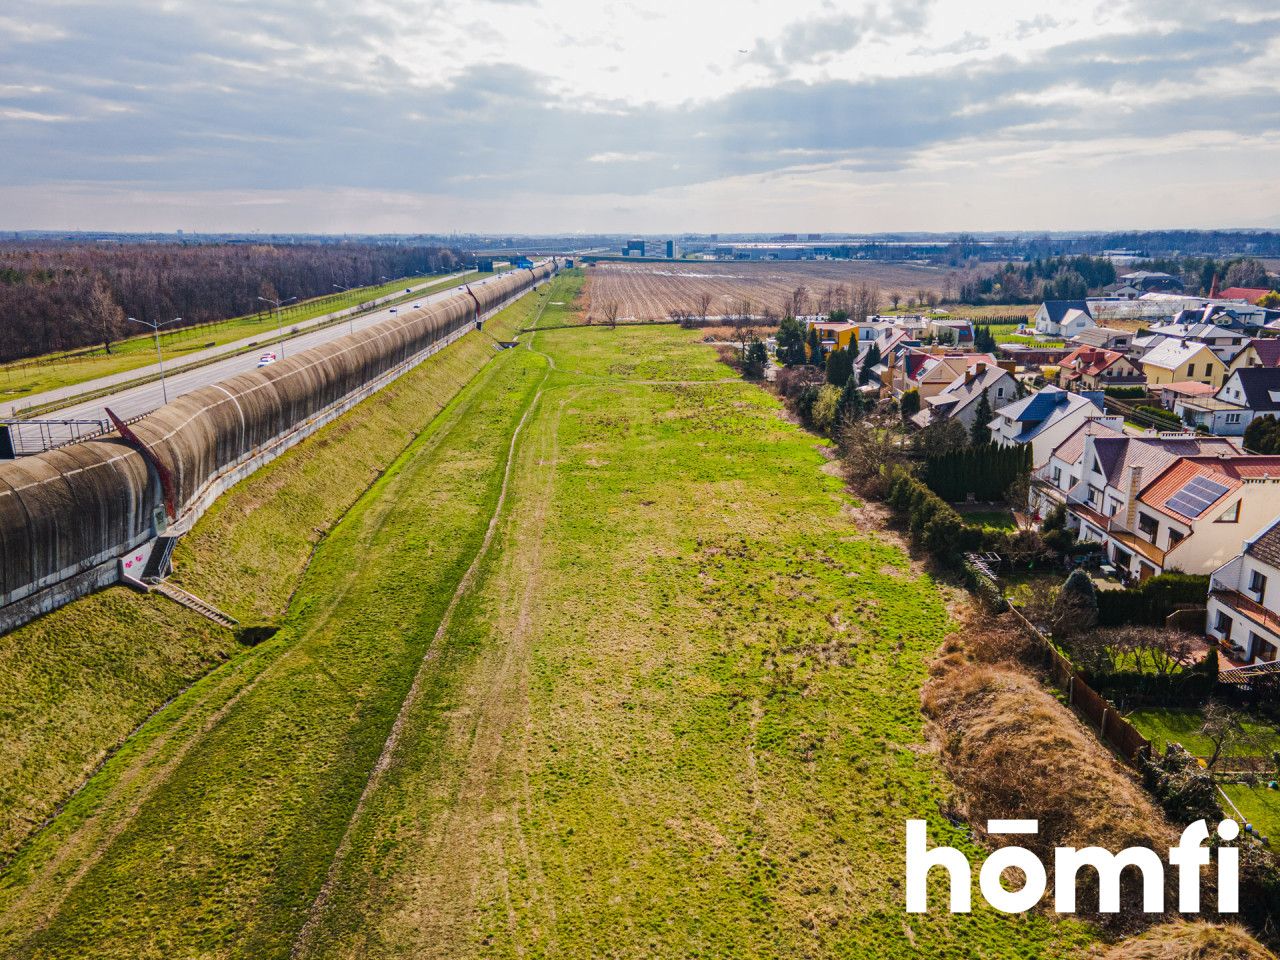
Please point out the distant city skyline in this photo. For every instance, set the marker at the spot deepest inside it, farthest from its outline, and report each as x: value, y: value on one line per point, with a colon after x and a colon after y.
x: 649, y: 117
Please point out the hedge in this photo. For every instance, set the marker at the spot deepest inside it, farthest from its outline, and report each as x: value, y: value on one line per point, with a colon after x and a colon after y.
x: 985, y: 471
x: 1151, y: 601
x: 1127, y: 393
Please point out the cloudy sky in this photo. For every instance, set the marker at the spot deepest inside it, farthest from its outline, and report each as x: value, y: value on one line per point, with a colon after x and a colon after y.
x: 644, y: 115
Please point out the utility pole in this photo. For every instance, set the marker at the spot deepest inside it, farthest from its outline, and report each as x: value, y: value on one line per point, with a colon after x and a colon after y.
x: 277, y: 304
x: 155, y: 333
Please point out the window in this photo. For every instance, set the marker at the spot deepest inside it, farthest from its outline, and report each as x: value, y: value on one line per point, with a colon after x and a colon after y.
x: 1057, y: 476
x: 1257, y: 583
x: 1233, y: 418
x: 1175, y: 538
x: 1231, y: 514
x: 999, y: 393
x: 1191, y: 369
x: 1208, y: 371
x: 1222, y: 626
x: 1095, y: 495
x: 1148, y: 526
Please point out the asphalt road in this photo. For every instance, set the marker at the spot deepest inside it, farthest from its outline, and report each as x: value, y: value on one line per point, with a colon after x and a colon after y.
x: 133, y: 401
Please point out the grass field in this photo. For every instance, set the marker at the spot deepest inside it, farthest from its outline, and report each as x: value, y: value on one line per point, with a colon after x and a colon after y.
x: 76, y: 682
x: 23, y: 378
x: 659, y: 699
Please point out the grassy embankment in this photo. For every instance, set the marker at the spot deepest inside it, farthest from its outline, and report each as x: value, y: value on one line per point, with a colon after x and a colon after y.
x: 676, y: 713
x: 77, y: 681
x: 25, y: 377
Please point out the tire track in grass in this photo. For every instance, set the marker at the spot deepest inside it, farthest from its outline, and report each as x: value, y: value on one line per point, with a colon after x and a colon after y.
x: 411, y: 700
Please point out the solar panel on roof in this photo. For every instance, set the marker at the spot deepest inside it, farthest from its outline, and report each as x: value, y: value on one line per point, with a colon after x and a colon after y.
x: 1196, y: 496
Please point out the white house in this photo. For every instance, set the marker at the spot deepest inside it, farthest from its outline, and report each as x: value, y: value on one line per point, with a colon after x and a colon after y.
x: 1190, y: 514
x: 1244, y: 600
x: 1046, y: 419
x: 1063, y: 318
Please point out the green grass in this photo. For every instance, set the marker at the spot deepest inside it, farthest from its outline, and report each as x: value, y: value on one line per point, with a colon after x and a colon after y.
x: 996, y: 519
x: 1164, y: 725
x: 676, y: 713
x: 23, y: 378
x: 237, y: 832
x: 76, y: 682
x: 1260, y: 807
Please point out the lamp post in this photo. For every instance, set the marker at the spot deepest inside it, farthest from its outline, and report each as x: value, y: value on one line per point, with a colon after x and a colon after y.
x: 155, y: 333
x: 277, y: 304
x: 351, y: 321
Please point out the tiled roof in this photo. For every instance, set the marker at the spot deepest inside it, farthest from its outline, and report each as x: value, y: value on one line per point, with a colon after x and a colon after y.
x: 1119, y: 454
x: 1261, y: 386
x: 1057, y: 309
x: 1268, y: 350
x: 1266, y: 545
x: 1230, y: 472
x: 1071, y: 449
x: 1172, y: 354
x: 1190, y: 388
x: 1244, y: 293
x: 1091, y: 361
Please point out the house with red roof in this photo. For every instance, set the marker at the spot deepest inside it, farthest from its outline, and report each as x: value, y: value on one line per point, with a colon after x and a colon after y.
x: 1094, y: 368
x: 1247, y: 294
x: 1195, y: 514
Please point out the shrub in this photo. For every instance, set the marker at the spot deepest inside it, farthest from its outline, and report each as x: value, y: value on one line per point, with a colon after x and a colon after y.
x: 1151, y: 601
x: 1181, y: 786
x: 826, y: 402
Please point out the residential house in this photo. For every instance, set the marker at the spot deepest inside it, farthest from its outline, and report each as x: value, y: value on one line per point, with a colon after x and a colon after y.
x: 1175, y: 360
x: 1248, y: 393
x: 1171, y: 393
x: 1258, y: 352
x: 1062, y: 318
x: 1060, y: 471
x: 1104, y: 338
x: 1244, y: 600
x: 1170, y: 502
x: 953, y: 333
x: 930, y: 372
x: 960, y: 399
x: 1091, y: 368
x: 1046, y: 419
x: 1150, y: 281
x: 834, y: 335
x: 1247, y: 294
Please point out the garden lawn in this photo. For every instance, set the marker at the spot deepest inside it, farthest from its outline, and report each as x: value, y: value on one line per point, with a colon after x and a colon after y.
x: 1260, y: 806
x: 1163, y: 725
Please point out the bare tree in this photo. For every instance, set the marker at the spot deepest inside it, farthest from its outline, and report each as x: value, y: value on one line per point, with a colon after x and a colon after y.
x: 610, y: 311
x: 798, y: 304
x: 1223, y: 727
x: 704, y: 304
x: 895, y: 298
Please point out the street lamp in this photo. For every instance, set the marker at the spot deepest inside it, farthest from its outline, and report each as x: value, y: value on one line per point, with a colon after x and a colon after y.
x: 351, y: 321
x: 155, y: 332
x: 277, y: 304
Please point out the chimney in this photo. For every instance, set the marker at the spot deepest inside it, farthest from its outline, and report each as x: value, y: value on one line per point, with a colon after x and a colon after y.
x: 1135, y: 487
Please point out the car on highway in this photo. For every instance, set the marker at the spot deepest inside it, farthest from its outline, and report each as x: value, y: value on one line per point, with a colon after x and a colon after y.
x: 267, y: 359
x: 417, y: 306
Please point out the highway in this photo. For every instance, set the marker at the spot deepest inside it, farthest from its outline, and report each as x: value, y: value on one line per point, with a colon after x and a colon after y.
x: 133, y: 401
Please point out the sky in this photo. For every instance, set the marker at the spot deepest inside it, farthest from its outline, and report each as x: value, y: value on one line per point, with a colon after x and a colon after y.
x: 645, y: 116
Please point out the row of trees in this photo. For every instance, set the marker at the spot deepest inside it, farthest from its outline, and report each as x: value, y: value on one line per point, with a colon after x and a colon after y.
x: 986, y: 471
x: 61, y: 296
x: 1050, y: 278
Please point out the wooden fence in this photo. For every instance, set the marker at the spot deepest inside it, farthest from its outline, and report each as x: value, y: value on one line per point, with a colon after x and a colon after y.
x: 1114, y: 729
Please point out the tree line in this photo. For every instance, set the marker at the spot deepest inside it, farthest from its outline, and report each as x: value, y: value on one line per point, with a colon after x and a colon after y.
x: 62, y: 296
